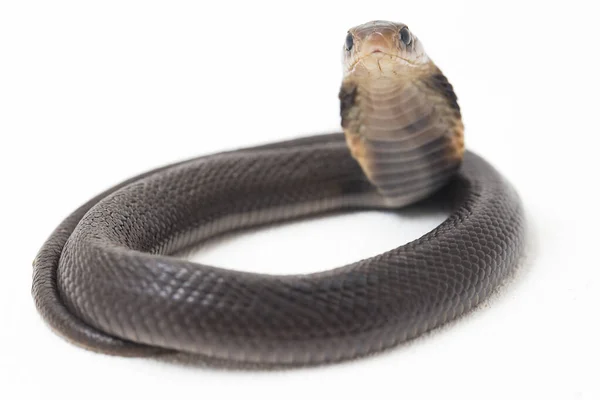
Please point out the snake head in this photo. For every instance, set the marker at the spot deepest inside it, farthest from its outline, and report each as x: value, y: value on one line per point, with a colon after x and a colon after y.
x: 382, y: 48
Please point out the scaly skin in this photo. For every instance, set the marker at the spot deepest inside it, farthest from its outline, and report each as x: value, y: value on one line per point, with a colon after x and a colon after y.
x: 106, y: 280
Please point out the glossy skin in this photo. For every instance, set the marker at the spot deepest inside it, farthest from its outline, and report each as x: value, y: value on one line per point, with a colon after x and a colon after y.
x: 105, y: 279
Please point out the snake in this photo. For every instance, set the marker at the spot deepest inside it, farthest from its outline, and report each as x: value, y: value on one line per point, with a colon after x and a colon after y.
x: 109, y: 278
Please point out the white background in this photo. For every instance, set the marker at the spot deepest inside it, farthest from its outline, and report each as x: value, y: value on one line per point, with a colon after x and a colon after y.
x: 94, y: 92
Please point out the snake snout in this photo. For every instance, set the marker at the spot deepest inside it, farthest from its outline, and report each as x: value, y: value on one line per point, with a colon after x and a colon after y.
x: 377, y: 42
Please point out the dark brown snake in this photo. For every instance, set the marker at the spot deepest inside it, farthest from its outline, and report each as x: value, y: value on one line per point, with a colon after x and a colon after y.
x: 106, y: 278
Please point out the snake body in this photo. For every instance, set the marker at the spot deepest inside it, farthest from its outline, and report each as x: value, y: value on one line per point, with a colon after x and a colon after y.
x: 106, y: 279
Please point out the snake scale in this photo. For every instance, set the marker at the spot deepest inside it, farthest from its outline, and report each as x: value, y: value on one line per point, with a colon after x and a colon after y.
x: 106, y: 279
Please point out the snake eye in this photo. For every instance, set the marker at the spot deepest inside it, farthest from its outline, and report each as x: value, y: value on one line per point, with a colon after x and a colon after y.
x: 405, y: 36
x: 349, y: 42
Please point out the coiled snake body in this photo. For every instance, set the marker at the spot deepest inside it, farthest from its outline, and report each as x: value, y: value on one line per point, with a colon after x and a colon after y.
x: 105, y: 280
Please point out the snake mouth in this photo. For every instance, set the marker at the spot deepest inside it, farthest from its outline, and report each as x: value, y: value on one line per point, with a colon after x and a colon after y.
x: 380, y: 55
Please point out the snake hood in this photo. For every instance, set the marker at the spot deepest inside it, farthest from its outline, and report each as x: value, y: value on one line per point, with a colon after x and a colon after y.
x: 399, y: 112
x: 382, y: 48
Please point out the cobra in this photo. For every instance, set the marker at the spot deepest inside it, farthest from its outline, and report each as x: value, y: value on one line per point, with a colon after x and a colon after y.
x: 106, y: 278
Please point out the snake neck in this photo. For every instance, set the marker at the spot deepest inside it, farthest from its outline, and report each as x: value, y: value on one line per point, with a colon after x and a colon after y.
x: 405, y: 131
